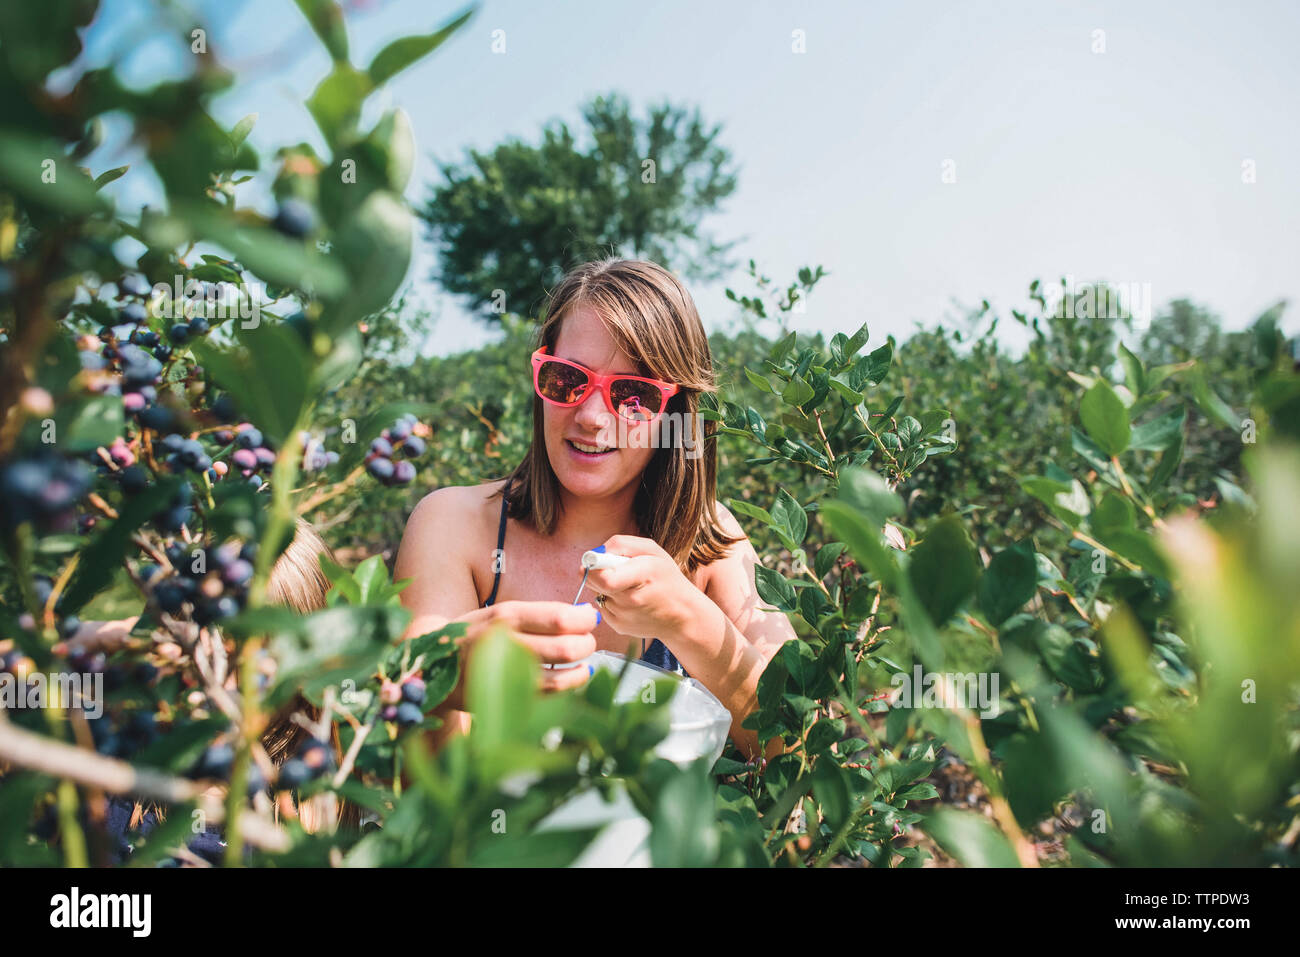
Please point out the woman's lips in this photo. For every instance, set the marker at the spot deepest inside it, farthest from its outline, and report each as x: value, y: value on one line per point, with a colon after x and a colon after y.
x: 586, y: 456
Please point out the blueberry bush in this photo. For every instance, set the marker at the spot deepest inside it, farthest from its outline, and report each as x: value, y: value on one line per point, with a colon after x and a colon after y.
x: 1062, y: 579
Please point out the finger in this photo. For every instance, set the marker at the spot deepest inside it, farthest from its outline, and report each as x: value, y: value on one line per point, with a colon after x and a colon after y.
x: 631, y: 574
x: 567, y: 678
x: 633, y: 545
x: 547, y: 617
x: 560, y: 649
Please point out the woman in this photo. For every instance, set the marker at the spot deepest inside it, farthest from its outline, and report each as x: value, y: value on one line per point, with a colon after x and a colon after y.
x: 622, y: 359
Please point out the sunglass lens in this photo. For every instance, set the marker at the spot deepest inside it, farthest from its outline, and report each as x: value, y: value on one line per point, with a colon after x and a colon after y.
x: 638, y: 401
x: 561, y: 383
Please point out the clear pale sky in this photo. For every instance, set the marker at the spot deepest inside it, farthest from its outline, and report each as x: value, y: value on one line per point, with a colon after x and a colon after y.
x: 1124, y: 165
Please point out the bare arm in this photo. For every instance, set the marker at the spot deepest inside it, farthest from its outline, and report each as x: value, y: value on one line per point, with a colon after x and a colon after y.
x: 728, y: 645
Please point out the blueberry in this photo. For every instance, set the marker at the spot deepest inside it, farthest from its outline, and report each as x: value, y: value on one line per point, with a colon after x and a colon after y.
x: 227, y: 606
x: 179, y: 332
x: 414, y: 446
x: 381, y: 469
x: 68, y: 626
x: 133, y: 313
x: 403, y: 473
x: 133, y: 479
x: 413, y: 690
x: 256, y: 780
x: 265, y: 457
x: 382, y: 447
x: 44, y: 587
x: 199, y: 326
x: 249, y: 439
x: 316, y: 755
x: 244, y: 458
x: 174, y: 518
x: 388, y: 712
x: 224, y: 409
x: 158, y: 417
x: 295, y: 218
x: 162, y: 352
x: 238, y: 574
x: 92, y: 361
x: 399, y: 430
x: 409, y: 714
x: 294, y: 773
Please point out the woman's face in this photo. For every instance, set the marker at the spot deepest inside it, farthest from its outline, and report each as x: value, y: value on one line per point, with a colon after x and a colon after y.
x: 625, y: 446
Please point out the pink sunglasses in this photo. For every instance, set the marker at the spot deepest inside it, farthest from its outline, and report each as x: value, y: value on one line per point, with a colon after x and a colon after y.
x: 566, y: 384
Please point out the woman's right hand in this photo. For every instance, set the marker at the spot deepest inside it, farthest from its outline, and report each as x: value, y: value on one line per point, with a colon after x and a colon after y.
x: 557, y: 633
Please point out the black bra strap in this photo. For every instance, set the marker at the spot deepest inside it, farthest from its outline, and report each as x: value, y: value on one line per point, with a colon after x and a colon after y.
x: 499, y: 554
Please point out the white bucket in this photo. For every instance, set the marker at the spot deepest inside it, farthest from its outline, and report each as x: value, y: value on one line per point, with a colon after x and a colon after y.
x: 698, y: 727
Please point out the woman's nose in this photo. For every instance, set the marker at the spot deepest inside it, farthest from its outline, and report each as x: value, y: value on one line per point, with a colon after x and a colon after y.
x: 592, y: 413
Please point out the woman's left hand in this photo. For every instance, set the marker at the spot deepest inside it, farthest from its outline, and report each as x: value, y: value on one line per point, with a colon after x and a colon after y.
x: 647, y: 596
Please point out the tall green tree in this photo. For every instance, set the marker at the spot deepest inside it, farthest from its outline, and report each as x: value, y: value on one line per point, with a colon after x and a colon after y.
x: 510, y: 222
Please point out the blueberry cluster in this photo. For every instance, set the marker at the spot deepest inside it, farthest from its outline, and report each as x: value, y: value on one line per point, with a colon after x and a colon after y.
x: 399, y: 437
x: 253, y: 453
x: 216, y: 763
x: 403, y: 703
x: 214, y: 588
x: 44, y: 489
x: 314, y: 455
x: 124, y: 738
x: 313, y: 759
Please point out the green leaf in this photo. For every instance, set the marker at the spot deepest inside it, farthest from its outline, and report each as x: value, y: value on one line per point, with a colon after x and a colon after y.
x: 1209, y: 402
x: 269, y: 374
x: 241, y: 131
x: 971, y: 839
x: 867, y: 490
x: 683, y: 833
x: 762, y: 382
x: 96, y: 422
x: 1008, y: 582
x: 1159, y: 434
x: 533, y: 848
x: 27, y: 165
x: 501, y: 689
x: 1169, y: 462
x: 375, y: 244
x: 106, y: 177
x: 401, y: 53
x: 788, y: 515
x: 797, y: 392
x: 832, y: 792
x: 326, y: 18
x: 826, y: 556
x: 1134, y: 374
x: 773, y: 588
x: 1105, y: 418
x: 856, y: 342
x: 335, y: 104
x: 753, y: 511
x: 944, y: 568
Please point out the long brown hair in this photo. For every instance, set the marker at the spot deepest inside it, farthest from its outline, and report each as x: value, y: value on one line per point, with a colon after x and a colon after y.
x: 652, y: 318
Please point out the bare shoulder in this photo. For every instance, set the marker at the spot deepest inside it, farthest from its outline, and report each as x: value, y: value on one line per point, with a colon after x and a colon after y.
x: 458, y: 515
